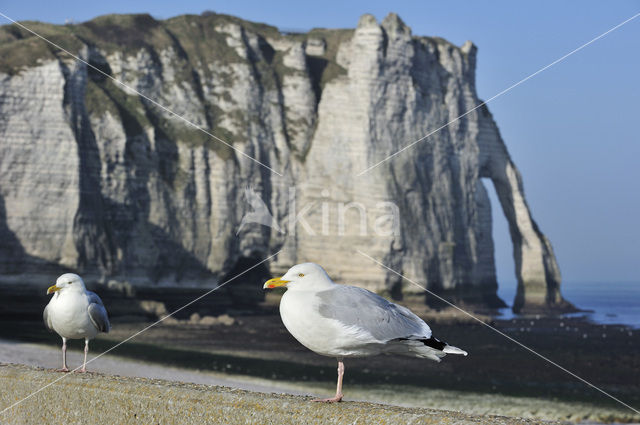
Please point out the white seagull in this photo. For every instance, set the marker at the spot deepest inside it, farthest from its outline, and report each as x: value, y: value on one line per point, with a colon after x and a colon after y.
x: 74, y: 313
x: 346, y: 321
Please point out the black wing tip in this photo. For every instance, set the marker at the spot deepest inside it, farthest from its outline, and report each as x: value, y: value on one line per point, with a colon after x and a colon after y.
x: 432, y: 342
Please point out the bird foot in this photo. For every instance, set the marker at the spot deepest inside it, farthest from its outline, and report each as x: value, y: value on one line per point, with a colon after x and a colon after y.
x: 81, y: 371
x: 64, y: 369
x: 335, y: 399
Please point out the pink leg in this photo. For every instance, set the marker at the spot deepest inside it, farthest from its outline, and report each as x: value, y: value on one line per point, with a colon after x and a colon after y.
x: 64, y: 356
x: 338, y: 396
x: 86, y: 350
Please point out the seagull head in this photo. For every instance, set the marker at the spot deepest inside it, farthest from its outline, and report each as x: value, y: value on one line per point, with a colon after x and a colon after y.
x: 305, y: 276
x: 67, y: 282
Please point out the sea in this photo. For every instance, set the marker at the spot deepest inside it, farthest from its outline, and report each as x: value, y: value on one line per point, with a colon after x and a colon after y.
x: 603, y: 303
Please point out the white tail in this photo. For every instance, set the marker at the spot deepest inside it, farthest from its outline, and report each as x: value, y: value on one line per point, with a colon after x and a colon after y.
x: 453, y: 350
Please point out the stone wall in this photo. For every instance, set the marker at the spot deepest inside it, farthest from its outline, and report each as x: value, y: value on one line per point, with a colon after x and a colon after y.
x: 96, y: 398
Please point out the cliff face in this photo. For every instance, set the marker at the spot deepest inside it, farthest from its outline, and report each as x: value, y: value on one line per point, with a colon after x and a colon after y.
x: 98, y: 179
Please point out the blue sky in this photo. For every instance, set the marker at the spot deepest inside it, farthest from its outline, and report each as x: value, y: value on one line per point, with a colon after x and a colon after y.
x: 572, y: 130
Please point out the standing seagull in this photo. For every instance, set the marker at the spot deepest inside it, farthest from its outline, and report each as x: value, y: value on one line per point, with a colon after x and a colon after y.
x: 347, y: 321
x: 74, y: 313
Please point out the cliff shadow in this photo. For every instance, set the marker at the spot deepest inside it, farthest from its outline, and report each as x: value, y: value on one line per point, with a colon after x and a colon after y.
x: 14, y: 260
x: 317, y: 66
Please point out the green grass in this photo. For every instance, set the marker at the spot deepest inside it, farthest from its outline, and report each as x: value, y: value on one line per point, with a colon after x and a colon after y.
x: 108, y: 96
x: 19, y: 49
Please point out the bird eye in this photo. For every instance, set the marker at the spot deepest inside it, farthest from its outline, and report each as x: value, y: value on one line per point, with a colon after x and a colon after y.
x: 301, y: 275
x: 70, y: 283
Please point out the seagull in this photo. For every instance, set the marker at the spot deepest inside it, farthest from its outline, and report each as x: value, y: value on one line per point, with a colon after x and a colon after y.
x: 74, y: 313
x: 347, y: 321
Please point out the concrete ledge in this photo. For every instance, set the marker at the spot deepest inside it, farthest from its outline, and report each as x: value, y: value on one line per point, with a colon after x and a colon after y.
x: 104, y: 399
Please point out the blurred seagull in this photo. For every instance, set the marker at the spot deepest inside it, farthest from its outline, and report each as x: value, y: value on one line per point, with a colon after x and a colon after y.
x: 74, y: 313
x: 346, y: 321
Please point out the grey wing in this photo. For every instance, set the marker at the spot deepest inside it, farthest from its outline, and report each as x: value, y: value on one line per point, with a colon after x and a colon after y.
x: 47, y: 319
x: 355, y: 306
x: 97, y: 313
x: 94, y: 298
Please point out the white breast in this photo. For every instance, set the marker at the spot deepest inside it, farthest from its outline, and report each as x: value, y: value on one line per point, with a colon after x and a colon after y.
x: 328, y: 337
x: 70, y: 315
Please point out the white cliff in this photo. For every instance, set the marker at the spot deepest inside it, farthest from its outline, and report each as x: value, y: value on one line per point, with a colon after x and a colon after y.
x: 98, y: 179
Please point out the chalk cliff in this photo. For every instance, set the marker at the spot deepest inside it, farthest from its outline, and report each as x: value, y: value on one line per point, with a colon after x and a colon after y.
x: 98, y: 179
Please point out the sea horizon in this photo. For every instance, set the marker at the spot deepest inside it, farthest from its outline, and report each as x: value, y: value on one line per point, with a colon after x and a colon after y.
x: 607, y: 303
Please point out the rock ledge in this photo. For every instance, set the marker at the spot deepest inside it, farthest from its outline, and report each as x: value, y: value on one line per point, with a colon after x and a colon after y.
x: 97, y: 398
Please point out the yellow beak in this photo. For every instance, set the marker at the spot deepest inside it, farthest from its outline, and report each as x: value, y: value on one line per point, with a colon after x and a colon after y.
x: 52, y: 289
x: 275, y: 283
